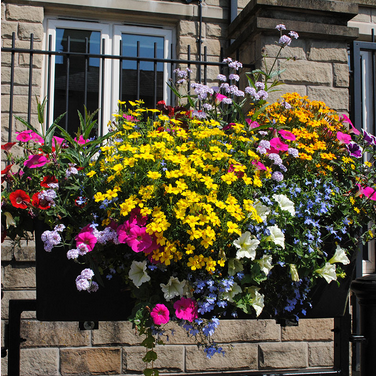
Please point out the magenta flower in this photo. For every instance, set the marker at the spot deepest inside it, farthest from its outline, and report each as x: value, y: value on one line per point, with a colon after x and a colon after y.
x: 24, y: 136
x: 35, y: 161
x: 287, y: 135
x: 137, y: 218
x: 219, y: 98
x: 87, y: 238
x: 81, y: 140
x: 345, y: 119
x: 36, y: 138
x: 252, y: 124
x: 277, y: 145
x: 57, y: 141
x: 259, y: 165
x: 160, y: 314
x: 123, y: 232
x: 343, y: 138
x: 355, y: 150
x: 186, y: 309
x: 139, y: 240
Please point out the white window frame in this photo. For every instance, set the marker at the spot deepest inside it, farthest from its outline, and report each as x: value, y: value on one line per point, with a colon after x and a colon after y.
x: 104, y: 29
x: 111, y: 32
x: 147, y: 31
x: 369, y: 266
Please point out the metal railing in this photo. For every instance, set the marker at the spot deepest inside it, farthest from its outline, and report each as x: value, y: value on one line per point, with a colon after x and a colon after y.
x: 201, y: 67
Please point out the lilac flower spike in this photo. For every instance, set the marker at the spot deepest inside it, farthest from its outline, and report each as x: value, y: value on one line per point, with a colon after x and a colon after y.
x: 294, y: 34
x: 284, y: 40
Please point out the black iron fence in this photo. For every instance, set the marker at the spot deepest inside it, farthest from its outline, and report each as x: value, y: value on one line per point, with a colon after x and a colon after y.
x: 73, y: 78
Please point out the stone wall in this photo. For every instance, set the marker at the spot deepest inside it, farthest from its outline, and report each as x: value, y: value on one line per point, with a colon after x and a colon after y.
x: 319, y: 70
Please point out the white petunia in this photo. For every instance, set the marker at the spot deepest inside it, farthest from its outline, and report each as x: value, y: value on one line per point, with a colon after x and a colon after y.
x: 173, y: 288
x: 137, y: 273
x: 246, y: 245
x: 285, y: 203
x: 340, y: 256
x: 9, y: 220
x: 265, y: 264
x: 276, y: 236
x: 235, y: 289
x: 234, y: 266
x: 257, y: 301
x: 328, y: 272
x: 294, y: 273
x: 262, y: 210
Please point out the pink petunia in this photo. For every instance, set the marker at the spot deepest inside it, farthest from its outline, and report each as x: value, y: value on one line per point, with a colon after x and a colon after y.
x: 160, y: 314
x: 219, y: 98
x: 186, y: 309
x: 24, y: 136
x: 81, y: 140
x: 57, y: 141
x: 277, y: 145
x: 345, y: 119
x: 36, y: 138
x: 287, y: 135
x: 87, y: 238
x: 35, y: 161
x: 139, y: 240
x: 343, y: 138
x: 370, y: 193
x: 259, y: 165
x: 252, y: 124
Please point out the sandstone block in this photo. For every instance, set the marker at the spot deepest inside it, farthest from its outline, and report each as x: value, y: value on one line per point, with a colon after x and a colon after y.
x: 271, y: 48
x: 213, y: 46
x: 3, y: 8
x: 283, y: 355
x: 51, y: 334
x: 320, y: 354
x: 170, y: 359
x: 7, y: 28
x: 20, y: 104
x: 90, y: 361
x: 25, y: 29
x: 336, y: 98
x: 364, y: 15
x: 37, y: 362
x: 21, y: 76
x: 112, y: 332
x: 247, y: 331
x: 19, y: 276
x: 216, y: 30
x: 238, y: 356
x: 21, y: 44
x: 176, y: 335
x: 10, y: 295
x: 184, y: 42
x: 306, y: 72
x: 188, y: 28
x: 24, y: 13
x: 341, y: 75
x: 4, y: 366
x: 309, y: 330
x: 328, y: 51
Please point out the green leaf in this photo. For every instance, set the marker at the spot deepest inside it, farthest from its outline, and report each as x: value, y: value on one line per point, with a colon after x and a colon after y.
x: 150, y: 356
x: 151, y: 372
x: 28, y: 125
x: 40, y: 109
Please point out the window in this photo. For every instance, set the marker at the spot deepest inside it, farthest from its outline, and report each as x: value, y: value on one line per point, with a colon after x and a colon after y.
x: 368, y: 99
x: 81, y: 79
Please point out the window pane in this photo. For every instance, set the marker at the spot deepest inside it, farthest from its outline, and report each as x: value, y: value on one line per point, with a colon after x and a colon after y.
x: 149, y: 80
x: 75, y: 67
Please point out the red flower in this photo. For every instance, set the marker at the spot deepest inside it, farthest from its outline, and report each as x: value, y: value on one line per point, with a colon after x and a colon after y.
x: 19, y: 199
x: 38, y: 203
x: 48, y: 180
x: 6, y: 169
x: 7, y: 146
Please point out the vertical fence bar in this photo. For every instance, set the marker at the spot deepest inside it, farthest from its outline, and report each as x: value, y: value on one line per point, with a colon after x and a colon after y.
x: 155, y: 75
x: 205, y: 66
x: 86, y: 70
x: 30, y: 78
x: 189, y: 66
x: 11, y: 88
x: 121, y: 71
x: 48, y: 96
x: 101, y: 124
x: 172, y: 66
x: 67, y: 86
x: 138, y: 71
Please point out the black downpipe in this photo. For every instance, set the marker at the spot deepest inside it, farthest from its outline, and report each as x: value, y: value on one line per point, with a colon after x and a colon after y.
x: 11, y: 88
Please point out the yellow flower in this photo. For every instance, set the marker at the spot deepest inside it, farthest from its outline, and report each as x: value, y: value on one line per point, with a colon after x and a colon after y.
x: 91, y: 174
x: 154, y: 175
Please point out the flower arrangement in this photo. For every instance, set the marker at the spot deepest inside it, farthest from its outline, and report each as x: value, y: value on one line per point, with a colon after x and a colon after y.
x: 202, y: 214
